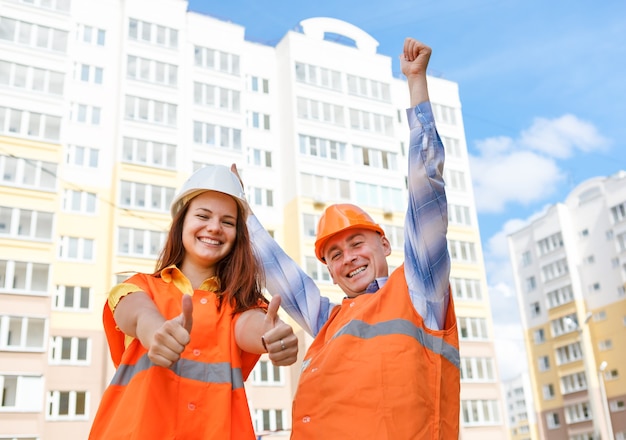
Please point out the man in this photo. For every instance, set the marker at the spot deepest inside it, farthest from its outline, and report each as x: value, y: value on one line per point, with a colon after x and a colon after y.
x: 384, y: 363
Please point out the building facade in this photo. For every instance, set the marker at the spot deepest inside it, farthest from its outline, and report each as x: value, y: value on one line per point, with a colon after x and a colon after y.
x: 518, y: 397
x: 108, y: 106
x: 570, y: 272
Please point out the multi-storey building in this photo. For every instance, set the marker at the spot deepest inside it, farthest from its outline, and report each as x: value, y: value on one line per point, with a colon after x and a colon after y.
x: 108, y: 106
x: 570, y: 272
x: 518, y: 397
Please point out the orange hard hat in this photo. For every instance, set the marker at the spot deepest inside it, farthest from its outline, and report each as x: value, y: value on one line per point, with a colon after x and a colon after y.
x: 339, y: 217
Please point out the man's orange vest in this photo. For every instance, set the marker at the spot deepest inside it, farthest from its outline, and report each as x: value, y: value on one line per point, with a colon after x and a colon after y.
x: 202, y: 396
x: 375, y: 372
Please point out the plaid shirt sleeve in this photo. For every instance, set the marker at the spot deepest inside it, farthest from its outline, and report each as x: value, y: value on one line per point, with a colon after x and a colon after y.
x: 300, y: 297
x: 427, y: 261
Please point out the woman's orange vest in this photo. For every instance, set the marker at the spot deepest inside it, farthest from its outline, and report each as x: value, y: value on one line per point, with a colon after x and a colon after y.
x: 375, y: 372
x: 201, y: 396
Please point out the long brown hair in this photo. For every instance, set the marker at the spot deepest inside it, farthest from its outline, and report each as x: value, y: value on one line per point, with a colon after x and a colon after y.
x: 241, y: 277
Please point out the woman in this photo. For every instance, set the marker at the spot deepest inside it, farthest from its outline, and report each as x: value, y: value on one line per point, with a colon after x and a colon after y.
x: 185, y: 338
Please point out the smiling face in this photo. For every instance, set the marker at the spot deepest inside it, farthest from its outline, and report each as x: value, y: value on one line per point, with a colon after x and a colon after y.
x: 356, y: 257
x: 209, y: 230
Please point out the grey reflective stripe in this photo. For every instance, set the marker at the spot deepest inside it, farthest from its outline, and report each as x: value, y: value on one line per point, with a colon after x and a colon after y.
x: 218, y: 372
x: 436, y: 344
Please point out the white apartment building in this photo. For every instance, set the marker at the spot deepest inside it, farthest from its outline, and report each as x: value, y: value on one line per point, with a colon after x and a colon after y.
x: 107, y: 106
x: 570, y: 272
x: 518, y: 397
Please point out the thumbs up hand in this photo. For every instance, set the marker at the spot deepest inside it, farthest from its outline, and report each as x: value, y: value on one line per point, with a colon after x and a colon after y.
x: 171, y: 338
x: 279, y: 339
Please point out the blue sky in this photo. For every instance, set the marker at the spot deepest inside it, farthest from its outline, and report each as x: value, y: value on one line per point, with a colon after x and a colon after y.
x: 543, y: 90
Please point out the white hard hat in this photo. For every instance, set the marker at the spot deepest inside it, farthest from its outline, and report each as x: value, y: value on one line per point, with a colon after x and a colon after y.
x: 210, y: 178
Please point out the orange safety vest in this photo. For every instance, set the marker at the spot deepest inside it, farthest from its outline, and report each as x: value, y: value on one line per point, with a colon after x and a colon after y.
x: 201, y: 396
x: 375, y: 371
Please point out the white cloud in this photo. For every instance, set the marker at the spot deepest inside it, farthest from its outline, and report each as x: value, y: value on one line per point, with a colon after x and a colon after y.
x: 507, y: 176
x: 562, y: 137
x: 525, y: 170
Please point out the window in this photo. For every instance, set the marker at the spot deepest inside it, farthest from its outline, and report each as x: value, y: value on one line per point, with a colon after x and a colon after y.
x: 21, y: 393
x: 24, y: 277
x: 22, y: 333
x: 395, y: 235
x: 318, y: 76
x: 573, y: 383
x: 553, y: 421
x: 76, y: 248
x: 260, y: 157
x: 462, y: 251
x: 268, y: 420
x: 138, y: 195
x: 214, y: 135
x: 554, y: 270
x: 72, y: 298
x: 454, y: 179
x: 544, y: 363
x: 266, y: 373
x: 309, y: 224
x: 579, y: 412
x: 564, y: 324
x: 83, y: 157
x: 606, y: 344
x: 452, y: 146
x: 31, y: 78
x: 261, y: 196
x: 88, y: 74
x: 317, y: 270
x: 531, y: 284
x: 217, y: 97
x: 322, y: 148
x: 477, y: 370
x: 147, y: 152
x: 70, y: 350
x: 535, y: 309
x: 152, y: 33
x: 79, y: 201
x: 91, y: 35
x: 379, y: 196
x: 26, y: 224
x: 139, y: 242
x: 150, y: 110
x: 526, y: 259
x: 29, y: 124
x: 539, y: 336
x: 480, y: 412
x: 258, y: 120
x: 215, y: 60
x: 368, y: 88
x: 444, y: 114
x: 260, y: 85
x: 314, y: 110
x: 375, y: 158
x: 85, y: 114
x: 472, y: 328
x: 67, y: 405
x: 324, y: 187
x: 459, y: 215
x: 548, y: 391
x: 156, y: 72
x: 569, y: 353
x: 560, y: 296
x: 618, y: 212
x: 371, y: 122
x: 466, y: 289
x: 33, y: 35
x: 550, y: 244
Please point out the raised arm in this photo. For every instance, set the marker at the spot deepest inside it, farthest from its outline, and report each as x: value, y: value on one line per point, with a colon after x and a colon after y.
x: 427, y: 262
x: 301, y: 298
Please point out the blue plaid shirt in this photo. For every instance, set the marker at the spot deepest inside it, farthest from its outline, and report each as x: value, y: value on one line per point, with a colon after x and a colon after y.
x: 427, y: 262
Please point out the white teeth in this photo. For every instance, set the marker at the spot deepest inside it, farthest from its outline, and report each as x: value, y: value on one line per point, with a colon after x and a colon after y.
x: 354, y: 272
x: 209, y: 241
